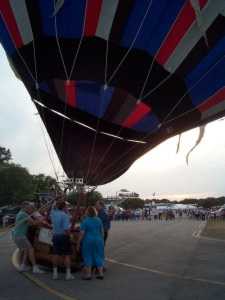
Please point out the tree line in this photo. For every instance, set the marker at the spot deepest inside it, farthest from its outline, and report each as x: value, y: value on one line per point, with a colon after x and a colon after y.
x: 135, y: 203
x: 17, y: 184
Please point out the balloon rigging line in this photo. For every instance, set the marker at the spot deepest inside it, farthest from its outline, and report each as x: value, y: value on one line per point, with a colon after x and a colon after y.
x: 68, y: 76
x: 20, y: 56
x: 106, y: 62
x: 165, y: 121
x: 107, y: 82
x: 95, y: 139
x: 116, y: 70
x: 51, y: 157
x: 61, y: 55
x: 146, y: 80
x: 157, y: 86
x: 81, y: 40
x: 193, y: 86
x: 78, y: 123
x: 86, y: 126
x: 48, y: 150
x: 190, y: 110
x: 23, y: 61
x: 100, y: 111
x: 133, y: 42
x: 58, y: 43
x: 141, y: 97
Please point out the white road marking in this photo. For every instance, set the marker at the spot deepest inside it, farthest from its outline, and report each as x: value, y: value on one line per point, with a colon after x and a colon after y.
x: 166, y: 274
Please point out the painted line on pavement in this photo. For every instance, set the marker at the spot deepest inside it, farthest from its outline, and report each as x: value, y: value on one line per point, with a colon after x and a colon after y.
x: 166, y: 274
x: 39, y: 282
x: 198, y: 231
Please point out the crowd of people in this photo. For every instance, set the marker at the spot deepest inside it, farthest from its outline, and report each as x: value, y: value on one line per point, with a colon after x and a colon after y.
x: 92, y: 225
x: 157, y: 214
x: 93, y: 232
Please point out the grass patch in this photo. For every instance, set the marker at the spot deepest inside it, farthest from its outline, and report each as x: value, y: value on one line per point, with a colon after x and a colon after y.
x: 215, y: 229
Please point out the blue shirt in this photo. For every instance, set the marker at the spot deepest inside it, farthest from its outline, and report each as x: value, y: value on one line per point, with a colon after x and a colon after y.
x: 60, y: 221
x: 105, y: 219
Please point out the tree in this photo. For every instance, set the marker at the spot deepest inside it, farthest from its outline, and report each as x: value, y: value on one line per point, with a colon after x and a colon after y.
x: 15, y: 185
x: 133, y: 203
x: 5, y: 155
x: 43, y: 183
x: 72, y: 197
x: 91, y: 198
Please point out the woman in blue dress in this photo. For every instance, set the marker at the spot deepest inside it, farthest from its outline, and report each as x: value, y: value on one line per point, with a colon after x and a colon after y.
x: 92, y: 246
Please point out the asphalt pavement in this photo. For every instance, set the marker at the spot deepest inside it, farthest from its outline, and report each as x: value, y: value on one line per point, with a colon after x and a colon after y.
x: 156, y: 260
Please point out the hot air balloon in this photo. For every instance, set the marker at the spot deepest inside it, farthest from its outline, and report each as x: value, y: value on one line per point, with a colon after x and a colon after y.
x: 111, y: 79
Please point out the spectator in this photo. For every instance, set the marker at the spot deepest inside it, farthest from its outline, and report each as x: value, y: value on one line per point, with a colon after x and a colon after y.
x: 61, y: 239
x: 92, y: 247
x: 23, y: 220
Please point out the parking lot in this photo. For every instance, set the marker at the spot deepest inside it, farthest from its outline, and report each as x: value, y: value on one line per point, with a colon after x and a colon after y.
x: 145, y: 260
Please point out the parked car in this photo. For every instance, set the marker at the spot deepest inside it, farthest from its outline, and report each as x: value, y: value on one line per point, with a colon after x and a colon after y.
x: 11, y: 212
x: 218, y: 213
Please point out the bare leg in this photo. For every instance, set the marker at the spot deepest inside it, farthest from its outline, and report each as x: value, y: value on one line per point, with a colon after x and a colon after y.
x: 67, y: 262
x: 22, y: 260
x: 33, y: 261
x: 55, y: 260
x: 24, y: 257
x: 31, y: 256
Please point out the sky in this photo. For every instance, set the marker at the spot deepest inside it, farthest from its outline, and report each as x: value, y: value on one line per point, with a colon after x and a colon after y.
x: 161, y: 171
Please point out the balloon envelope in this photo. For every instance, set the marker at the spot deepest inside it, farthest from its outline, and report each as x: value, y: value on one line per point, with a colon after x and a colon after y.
x: 112, y: 79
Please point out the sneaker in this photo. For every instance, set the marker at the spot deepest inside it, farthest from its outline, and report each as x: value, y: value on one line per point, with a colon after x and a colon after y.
x: 37, y: 271
x: 69, y: 277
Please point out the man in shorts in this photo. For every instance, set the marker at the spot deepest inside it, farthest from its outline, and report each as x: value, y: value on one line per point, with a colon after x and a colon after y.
x: 61, y: 239
x: 23, y: 220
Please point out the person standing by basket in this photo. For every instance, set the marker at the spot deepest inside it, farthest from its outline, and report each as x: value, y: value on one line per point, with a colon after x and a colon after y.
x: 91, y: 243
x: 61, y: 239
x: 23, y: 221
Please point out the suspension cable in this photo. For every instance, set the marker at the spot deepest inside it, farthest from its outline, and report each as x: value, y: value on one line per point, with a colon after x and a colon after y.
x: 165, y: 121
x: 141, y: 97
x: 133, y: 42
x: 68, y: 74
x: 21, y: 57
x: 100, y: 112
x: 51, y: 157
x: 107, y: 82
